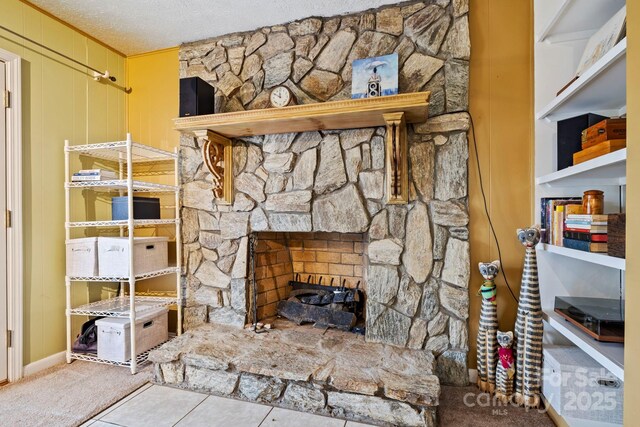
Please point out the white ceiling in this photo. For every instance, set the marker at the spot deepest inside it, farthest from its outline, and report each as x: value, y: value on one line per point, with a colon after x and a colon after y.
x: 137, y: 26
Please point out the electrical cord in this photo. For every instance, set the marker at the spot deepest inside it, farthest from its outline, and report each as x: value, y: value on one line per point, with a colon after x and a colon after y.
x: 486, y: 210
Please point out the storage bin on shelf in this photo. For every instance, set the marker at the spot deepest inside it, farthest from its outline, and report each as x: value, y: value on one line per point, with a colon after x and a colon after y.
x: 143, y: 208
x: 149, y: 254
x: 114, y: 342
x: 578, y: 387
x: 82, y: 257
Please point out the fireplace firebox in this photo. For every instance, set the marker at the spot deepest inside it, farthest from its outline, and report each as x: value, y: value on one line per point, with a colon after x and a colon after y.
x: 308, y: 278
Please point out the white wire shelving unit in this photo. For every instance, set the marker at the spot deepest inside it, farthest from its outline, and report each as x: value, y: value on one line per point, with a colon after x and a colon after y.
x: 128, y: 157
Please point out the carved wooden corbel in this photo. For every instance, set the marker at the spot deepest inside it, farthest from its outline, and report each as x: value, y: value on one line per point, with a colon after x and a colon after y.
x: 397, y: 165
x: 217, y: 152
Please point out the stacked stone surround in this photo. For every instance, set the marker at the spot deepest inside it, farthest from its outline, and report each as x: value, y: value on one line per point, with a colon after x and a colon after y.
x: 417, y: 271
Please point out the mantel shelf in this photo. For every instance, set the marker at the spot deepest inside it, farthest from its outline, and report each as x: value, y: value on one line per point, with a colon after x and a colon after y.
x: 347, y: 114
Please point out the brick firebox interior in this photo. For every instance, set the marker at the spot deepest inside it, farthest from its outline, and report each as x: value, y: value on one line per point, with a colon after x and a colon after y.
x: 323, y: 258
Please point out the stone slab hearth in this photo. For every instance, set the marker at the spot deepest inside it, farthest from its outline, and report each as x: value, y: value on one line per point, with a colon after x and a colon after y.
x: 314, y: 370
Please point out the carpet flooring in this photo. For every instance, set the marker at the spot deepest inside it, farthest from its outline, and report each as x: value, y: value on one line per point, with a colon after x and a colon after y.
x: 67, y: 395
x: 467, y: 407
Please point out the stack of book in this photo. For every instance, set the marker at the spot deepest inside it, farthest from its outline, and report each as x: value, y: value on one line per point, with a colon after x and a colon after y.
x: 94, y: 175
x: 586, y: 233
x: 553, y: 210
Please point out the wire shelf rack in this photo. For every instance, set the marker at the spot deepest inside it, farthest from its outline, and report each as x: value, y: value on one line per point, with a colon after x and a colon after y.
x: 127, y: 159
x: 141, y: 358
x: 124, y: 223
x: 121, y: 184
x: 117, y: 151
x: 120, y: 306
x: 148, y: 275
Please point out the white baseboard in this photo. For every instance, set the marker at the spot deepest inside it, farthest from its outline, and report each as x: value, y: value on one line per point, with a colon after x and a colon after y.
x: 42, y: 364
x: 473, y: 376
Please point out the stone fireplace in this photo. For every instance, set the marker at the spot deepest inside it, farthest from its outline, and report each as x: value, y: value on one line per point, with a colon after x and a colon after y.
x: 316, y: 200
x: 417, y: 255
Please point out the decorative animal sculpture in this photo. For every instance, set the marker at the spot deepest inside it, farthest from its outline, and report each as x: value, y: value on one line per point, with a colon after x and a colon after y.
x: 528, y: 331
x: 505, y: 369
x: 486, y: 341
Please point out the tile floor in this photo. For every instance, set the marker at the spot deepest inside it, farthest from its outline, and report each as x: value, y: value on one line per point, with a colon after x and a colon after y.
x: 158, y: 406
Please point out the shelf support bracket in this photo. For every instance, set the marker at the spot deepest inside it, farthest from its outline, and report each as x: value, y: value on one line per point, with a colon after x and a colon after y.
x: 397, y: 165
x: 217, y: 152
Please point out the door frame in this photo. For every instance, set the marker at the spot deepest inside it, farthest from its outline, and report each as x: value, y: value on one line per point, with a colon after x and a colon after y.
x: 15, y: 306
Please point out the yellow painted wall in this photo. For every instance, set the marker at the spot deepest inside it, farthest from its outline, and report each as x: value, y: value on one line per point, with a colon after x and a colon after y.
x: 501, y: 104
x: 59, y: 101
x: 153, y: 102
x: 151, y: 107
x: 632, y: 339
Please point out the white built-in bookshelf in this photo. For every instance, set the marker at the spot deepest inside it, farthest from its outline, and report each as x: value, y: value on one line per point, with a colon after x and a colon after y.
x: 562, y: 29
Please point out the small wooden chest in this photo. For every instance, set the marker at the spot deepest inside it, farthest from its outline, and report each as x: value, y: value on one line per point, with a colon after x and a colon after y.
x: 604, y: 131
x: 616, y: 230
x: 598, y: 150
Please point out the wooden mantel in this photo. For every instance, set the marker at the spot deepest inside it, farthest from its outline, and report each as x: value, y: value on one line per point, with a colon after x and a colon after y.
x: 347, y: 114
x: 216, y: 130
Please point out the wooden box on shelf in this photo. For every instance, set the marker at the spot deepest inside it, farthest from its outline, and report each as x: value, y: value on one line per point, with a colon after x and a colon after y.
x: 616, y: 226
x: 604, y: 131
x: 599, y: 150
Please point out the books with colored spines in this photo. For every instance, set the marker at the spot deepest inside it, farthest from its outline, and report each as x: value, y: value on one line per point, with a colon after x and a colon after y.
x: 585, y: 246
x: 557, y: 226
x: 548, y: 206
x: 587, y: 218
x: 586, y: 237
x: 587, y: 223
x: 94, y: 175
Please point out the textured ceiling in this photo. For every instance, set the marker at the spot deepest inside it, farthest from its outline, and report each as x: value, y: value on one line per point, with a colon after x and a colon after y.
x: 137, y: 26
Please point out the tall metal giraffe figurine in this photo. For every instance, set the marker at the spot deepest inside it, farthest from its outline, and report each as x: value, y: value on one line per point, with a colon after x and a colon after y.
x: 487, y: 345
x: 528, y: 331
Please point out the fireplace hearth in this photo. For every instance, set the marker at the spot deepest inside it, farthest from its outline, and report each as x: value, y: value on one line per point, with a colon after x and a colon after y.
x: 328, y: 372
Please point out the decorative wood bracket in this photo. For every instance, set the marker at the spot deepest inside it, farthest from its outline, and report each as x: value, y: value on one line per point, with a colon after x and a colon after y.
x: 217, y: 152
x: 397, y: 165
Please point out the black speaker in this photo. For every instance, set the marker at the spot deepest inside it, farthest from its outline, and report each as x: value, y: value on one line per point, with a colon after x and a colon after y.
x: 570, y: 136
x: 196, y: 97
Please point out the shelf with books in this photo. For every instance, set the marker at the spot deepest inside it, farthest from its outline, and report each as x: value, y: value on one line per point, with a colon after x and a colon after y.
x: 610, y: 169
x: 609, y: 355
x: 592, y: 257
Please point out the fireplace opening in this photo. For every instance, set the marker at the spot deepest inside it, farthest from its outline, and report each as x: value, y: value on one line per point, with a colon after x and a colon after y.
x: 314, y: 277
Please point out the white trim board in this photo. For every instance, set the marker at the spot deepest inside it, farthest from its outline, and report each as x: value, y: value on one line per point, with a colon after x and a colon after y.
x: 14, y: 204
x: 47, y: 362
